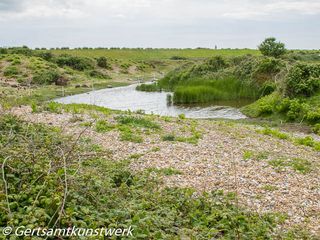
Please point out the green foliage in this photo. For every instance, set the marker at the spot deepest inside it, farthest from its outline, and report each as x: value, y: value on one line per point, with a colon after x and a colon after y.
x: 46, y: 77
x: 178, y: 58
x: 103, y: 126
x: 148, y: 87
x: 299, y: 165
x: 48, y: 56
x: 263, y: 107
x: 128, y: 134
x: 50, y: 187
x: 274, y: 133
x: 303, y: 80
x: 270, y: 47
x: 102, y: 62
x: 11, y: 71
x: 316, y: 129
x: 76, y: 63
x: 53, y: 107
x: 308, y: 141
x: 203, y: 91
x: 247, y: 155
x: 137, y: 122
x: 98, y: 74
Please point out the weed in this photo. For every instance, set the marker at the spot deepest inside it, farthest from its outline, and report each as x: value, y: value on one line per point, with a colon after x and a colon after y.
x: 137, y: 122
x: 103, y: 126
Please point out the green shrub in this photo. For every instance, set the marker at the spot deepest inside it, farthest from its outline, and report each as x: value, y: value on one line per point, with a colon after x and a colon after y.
x: 269, y: 47
x: 11, y: 71
x: 137, y: 122
x: 76, y: 63
x: 102, y: 62
x: 314, y: 116
x: 303, y: 80
x: 46, y: 77
x: 316, y: 129
x: 98, y: 74
x: 103, y: 126
x: 148, y: 87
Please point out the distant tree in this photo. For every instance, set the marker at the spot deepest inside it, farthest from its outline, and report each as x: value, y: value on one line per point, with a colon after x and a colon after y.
x: 102, y: 62
x: 270, y: 47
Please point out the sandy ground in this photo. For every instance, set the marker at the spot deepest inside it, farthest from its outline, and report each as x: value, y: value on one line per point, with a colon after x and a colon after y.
x: 216, y: 162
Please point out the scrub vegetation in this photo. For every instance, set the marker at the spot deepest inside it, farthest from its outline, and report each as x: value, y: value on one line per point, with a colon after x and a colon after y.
x: 168, y: 178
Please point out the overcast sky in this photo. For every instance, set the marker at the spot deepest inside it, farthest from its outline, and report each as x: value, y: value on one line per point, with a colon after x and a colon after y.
x: 159, y: 23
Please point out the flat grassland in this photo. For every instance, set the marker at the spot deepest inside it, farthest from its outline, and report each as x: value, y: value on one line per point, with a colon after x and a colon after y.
x: 155, y: 54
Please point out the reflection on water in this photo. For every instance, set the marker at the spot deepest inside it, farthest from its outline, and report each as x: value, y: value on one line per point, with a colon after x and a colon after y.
x: 127, y: 98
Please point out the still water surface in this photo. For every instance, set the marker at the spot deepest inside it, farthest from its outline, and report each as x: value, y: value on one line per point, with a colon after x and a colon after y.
x: 127, y: 98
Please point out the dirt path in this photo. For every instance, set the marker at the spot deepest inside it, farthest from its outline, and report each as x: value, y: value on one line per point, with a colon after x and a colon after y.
x: 232, y: 157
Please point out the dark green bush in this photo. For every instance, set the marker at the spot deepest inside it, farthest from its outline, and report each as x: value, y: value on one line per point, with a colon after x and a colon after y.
x: 148, y: 87
x: 76, y: 63
x: 269, y: 47
x: 11, y: 71
x: 45, y: 55
x: 3, y: 51
x: 98, y: 74
x: 303, y: 80
x: 46, y: 77
x: 178, y: 58
x: 102, y: 62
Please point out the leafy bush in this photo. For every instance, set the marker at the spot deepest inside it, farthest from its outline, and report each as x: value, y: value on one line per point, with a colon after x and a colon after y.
x: 316, y: 128
x: 98, y: 74
x: 45, y: 55
x: 46, y: 77
x: 266, y: 69
x: 76, y: 63
x: 178, y: 58
x: 148, y: 87
x: 102, y: 62
x: 303, y: 80
x: 137, y: 122
x: 269, y: 47
x: 11, y: 71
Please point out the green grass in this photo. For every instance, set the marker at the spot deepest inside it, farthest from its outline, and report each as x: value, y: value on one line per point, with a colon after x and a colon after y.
x: 103, y: 126
x: 275, y: 133
x: 203, y: 91
x: 299, y: 165
x: 137, y: 122
x: 155, y: 54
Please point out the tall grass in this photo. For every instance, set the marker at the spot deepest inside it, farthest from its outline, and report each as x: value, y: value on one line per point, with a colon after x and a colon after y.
x: 203, y: 91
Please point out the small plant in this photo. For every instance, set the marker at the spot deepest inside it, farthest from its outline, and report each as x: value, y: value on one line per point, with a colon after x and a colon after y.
x: 182, y: 116
x: 103, y: 126
x: 274, y: 133
x: 316, y: 129
x: 247, y: 155
x: 278, y: 164
x: 301, y: 165
x: 169, y: 137
x: 137, y: 122
x: 269, y: 188
x: 127, y: 134
x: 53, y: 107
